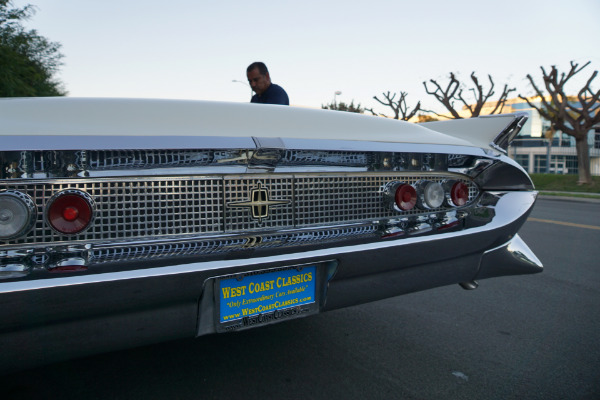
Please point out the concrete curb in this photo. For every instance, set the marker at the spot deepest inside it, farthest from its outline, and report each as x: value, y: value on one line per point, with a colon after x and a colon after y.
x: 569, y: 198
x: 569, y: 193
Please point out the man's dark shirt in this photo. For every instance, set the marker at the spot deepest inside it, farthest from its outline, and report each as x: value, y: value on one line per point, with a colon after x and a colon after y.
x: 273, y: 95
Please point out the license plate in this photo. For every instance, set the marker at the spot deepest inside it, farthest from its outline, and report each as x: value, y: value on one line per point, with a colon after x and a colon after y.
x: 251, y: 299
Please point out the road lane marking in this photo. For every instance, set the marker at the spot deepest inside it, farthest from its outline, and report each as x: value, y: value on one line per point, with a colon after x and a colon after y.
x: 549, y: 221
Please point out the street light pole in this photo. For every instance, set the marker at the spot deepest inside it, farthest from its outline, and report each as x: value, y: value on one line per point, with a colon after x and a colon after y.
x: 335, y: 95
x: 244, y: 83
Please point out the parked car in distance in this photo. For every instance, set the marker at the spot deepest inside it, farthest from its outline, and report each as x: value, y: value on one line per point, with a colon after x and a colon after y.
x: 129, y: 222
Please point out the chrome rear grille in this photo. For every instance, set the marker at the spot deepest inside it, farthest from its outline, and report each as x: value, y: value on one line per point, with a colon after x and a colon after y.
x: 130, y: 209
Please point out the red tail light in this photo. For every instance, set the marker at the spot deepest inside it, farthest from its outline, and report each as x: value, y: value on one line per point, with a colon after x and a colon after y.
x: 406, y: 197
x: 459, y: 194
x: 70, y: 212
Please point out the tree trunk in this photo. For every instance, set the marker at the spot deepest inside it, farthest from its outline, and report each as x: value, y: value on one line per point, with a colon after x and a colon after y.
x: 583, y: 158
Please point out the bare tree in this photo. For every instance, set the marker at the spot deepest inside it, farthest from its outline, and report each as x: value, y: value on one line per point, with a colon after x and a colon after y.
x: 454, y: 91
x: 575, y: 117
x: 398, y: 106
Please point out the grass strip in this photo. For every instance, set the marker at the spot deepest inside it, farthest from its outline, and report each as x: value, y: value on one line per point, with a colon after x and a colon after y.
x: 564, y: 183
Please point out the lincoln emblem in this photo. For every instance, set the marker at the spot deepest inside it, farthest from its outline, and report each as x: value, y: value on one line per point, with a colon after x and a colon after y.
x: 259, y: 203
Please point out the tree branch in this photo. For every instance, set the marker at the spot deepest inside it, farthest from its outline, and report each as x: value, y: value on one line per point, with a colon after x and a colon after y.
x: 575, y: 118
x: 480, y: 95
x: 400, y: 108
x: 446, y: 96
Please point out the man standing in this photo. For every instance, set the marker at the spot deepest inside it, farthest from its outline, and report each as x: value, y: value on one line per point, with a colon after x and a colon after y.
x: 260, y: 82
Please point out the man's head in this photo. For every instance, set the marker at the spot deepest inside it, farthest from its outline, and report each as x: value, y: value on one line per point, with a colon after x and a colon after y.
x: 258, y: 77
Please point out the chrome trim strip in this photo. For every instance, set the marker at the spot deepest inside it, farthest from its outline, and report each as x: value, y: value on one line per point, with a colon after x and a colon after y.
x: 504, y: 138
x: 511, y: 210
x: 58, y: 142
x: 125, y: 142
x: 386, y: 147
x: 269, y: 143
x: 155, y: 172
x: 143, y: 161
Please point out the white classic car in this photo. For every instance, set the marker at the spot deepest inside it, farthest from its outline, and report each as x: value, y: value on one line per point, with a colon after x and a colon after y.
x: 129, y: 222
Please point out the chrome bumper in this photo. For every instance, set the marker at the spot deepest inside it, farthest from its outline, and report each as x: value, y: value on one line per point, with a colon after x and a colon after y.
x: 61, y: 318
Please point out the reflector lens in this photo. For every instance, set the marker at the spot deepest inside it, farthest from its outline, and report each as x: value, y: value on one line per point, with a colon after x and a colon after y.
x: 69, y: 213
x: 459, y: 194
x: 15, y: 215
x: 69, y: 268
x: 406, y: 197
x: 433, y: 194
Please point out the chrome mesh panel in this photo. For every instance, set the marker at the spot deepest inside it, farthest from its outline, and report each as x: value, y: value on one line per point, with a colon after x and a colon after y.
x: 210, y: 247
x: 179, y: 207
x: 352, y: 198
x: 473, y: 191
x: 163, y: 250
x: 129, y: 209
x: 313, y: 157
x: 106, y: 159
x: 99, y: 160
x: 328, y: 199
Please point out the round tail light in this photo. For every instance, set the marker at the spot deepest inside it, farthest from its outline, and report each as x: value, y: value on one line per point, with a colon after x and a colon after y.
x: 459, y: 194
x: 405, y: 197
x: 432, y: 194
x: 17, y: 212
x: 70, y: 212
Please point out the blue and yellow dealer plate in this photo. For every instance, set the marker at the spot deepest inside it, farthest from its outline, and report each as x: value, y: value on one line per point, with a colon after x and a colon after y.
x: 258, y: 298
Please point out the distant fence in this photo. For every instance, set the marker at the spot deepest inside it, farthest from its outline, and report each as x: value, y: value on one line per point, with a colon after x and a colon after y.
x: 539, y: 155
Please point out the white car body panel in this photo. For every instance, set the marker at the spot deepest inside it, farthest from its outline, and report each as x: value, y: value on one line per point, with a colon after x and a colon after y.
x: 119, y: 117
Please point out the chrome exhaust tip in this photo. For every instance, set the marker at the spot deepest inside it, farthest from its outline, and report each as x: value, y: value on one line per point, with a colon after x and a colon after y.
x: 469, y: 285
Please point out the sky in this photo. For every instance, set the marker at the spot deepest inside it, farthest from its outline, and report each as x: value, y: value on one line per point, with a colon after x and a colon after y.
x: 183, y: 49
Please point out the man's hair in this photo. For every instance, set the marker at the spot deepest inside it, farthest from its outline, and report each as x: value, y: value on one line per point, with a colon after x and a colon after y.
x: 262, y: 68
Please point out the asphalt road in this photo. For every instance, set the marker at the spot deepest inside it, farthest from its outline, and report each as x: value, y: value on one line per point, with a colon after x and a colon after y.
x: 528, y: 337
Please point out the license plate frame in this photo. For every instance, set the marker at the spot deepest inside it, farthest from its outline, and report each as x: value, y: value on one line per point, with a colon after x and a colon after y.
x: 268, y: 296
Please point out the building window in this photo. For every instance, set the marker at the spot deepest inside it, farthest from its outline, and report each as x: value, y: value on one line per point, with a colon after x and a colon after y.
x: 558, y: 164
x: 539, y: 166
x: 570, y: 164
x: 523, y: 160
